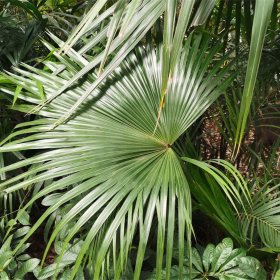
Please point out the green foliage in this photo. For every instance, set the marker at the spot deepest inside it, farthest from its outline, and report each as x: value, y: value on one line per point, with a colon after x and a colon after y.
x: 65, y: 266
x: 23, y: 23
x: 133, y: 171
x: 220, y: 262
x: 19, y: 265
x: 119, y: 129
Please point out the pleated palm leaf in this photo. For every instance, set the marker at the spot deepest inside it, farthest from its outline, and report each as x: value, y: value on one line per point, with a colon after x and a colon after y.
x: 108, y: 152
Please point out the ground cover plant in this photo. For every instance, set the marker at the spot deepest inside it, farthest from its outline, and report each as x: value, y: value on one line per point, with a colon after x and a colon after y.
x: 119, y: 155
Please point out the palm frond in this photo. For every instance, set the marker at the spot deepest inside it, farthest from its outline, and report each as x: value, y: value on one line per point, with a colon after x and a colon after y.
x: 262, y: 16
x: 264, y: 215
x: 108, y: 152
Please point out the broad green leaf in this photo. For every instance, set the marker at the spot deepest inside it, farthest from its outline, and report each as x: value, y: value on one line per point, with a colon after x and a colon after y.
x: 277, y: 275
x: 232, y: 261
x: 21, y: 231
x: 11, y: 223
x: 196, y: 260
x: 7, y: 245
x: 27, y: 266
x: 51, y: 199
x: 4, y: 275
x: 208, y: 256
x: 23, y: 248
x: 252, y: 267
x: 128, y: 272
x: 5, y: 258
x: 12, y: 265
x: 221, y: 254
x: 235, y: 274
x: 145, y: 275
x: 71, y: 249
x: 49, y: 270
x: 24, y: 257
x: 80, y: 274
x: 66, y: 274
x: 24, y: 218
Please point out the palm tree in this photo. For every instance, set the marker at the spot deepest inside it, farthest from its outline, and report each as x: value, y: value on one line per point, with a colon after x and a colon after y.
x: 108, y: 151
x: 120, y: 151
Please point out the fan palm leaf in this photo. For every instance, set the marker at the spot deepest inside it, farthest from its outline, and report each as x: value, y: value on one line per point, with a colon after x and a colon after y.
x: 108, y: 151
x: 135, y: 19
x: 142, y: 16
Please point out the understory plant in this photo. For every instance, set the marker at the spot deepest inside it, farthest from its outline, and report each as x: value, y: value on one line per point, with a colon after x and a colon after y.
x: 217, y: 262
x: 21, y: 264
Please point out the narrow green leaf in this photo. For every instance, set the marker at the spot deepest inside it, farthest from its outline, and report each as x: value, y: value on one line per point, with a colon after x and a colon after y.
x: 113, y: 27
x: 181, y: 27
x: 128, y: 46
x: 41, y: 91
x: 2, y: 174
x: 17, y: 92
x: 170, y: 14
x: 128, y: 16
x: 83, y: 25
x: 261, y: 19
x: 203, y: 11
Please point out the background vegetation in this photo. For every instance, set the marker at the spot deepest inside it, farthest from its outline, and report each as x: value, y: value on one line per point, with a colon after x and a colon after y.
x: 150, y: 144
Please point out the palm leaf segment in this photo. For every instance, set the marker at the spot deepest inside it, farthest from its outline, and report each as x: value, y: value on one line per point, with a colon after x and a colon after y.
x: 263, y: 215
x: 107, y: 150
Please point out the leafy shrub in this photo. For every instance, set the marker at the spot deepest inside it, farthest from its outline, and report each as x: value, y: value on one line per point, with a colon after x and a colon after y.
x: 18, y: 265
x: 220, y: 262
